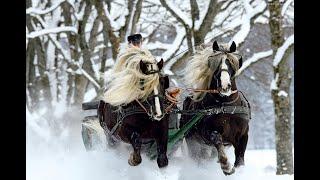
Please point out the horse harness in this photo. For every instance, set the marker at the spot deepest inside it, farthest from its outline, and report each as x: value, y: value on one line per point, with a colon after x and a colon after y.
x: 225, y: 108
x: 124, y: 111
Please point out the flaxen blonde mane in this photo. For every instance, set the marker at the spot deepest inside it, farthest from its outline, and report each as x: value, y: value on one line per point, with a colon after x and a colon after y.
x: 125, y: 85
x: 198, y: 74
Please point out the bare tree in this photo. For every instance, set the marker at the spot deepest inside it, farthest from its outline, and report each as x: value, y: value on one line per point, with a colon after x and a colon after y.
x: 69, y: 44
x: 280, y: 88
x: 202, y: 23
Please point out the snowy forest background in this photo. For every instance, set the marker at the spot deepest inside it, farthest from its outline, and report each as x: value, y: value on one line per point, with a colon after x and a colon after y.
x: 72, y: 44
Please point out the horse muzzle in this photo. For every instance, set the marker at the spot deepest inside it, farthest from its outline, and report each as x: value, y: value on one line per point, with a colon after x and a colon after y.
x: 225, y: 91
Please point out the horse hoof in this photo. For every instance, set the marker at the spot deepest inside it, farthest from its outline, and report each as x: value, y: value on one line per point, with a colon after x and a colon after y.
x: 162, y: 161
x: 227, y: 173
x: 134, y: 160
x: 239, y: 163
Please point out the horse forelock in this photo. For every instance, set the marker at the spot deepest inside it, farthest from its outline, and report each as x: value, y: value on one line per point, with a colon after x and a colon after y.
x: 125, y: 85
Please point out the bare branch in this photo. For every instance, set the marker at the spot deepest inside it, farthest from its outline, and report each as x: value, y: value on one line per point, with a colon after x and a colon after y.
x: 281, y: 50
x: 136, y: 16
x: 194, y: 11
x: 114, y: 40
x: 51, y: 31
x: 205, y: 27
x: 255, y: 58
x: 65, y: 54
x: 227, y: 5
x: 32, y: 10
x: 174, y: 14
x: 124, y: 28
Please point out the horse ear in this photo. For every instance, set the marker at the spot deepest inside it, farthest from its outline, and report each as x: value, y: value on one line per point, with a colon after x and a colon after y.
x: 160, y: 64
x: 215, y: 46
x: 240, y: 62
x: 233, y: 47
x: 143, y: 67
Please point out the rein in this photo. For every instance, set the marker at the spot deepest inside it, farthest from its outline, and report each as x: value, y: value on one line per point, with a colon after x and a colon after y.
x: 213, y: 91
x: 142, y: 106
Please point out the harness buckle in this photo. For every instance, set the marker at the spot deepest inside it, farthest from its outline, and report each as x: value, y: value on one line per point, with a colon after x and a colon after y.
x: 222, y: 110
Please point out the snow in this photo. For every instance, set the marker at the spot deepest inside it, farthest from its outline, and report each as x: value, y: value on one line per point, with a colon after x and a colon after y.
x: 245, y: 26
x: 96, y: 165
x: 66, y: 54
x: 62, y: 156
x: 285, y: 6
x: 281, y: 51
x: 282, y: 93
x: 89, y: 95
x: 32, y: 10
x: 181, y: 14
x: 274, y: 85
x: 51, y: 30
x: 176, y: 43
x: 253, y: 59
x: 202, y: 14
x: 109, y: 62
x: 168, y: 72
x: 114, y: 24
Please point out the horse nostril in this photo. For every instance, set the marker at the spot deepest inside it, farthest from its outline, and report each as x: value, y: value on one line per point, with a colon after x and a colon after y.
x: 229, y: 85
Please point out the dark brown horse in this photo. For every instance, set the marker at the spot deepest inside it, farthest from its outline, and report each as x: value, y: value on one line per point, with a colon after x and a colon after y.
x: 227, y: 120
x: 137, y: 122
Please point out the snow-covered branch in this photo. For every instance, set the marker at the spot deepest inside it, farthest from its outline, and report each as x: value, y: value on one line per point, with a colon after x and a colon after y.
x: 281, y: 51
x: 114, y: 24
x: 177, y: 13
x: 52, y: 30
x: 256, y: 57
x: 250, y: 12
x: 285, y: 6
x: 274, y: 83
x: 171, y: 48
x: 33, y: 10
x: 66, y: 55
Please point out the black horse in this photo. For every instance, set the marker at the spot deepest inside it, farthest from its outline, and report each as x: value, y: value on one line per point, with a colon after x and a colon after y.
x: 228, y: 112
x: 135, y: 122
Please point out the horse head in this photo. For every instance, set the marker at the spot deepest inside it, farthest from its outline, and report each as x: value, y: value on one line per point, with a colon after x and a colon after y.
x: 156, y: 100
x: 213, y: 68
x: 224, y: 63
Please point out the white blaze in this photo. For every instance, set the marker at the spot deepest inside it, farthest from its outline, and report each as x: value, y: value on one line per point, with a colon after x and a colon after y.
x: 225, y: 77
x: 157, y: 103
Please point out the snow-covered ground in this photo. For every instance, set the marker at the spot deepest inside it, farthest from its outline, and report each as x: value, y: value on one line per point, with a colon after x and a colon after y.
x: 62, y: 156
x: 81, y: 165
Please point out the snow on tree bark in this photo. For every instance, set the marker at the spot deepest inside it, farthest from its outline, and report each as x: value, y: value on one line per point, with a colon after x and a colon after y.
x: 282, y: 106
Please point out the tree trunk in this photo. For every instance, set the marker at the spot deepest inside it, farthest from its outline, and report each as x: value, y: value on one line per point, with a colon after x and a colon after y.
x: 114, y: 40
x: 280, y: 94
x: 136, y: 16
x: 81, y: 81
x: 40, y: 83
x: 74, y: 48
x: 213, y: 9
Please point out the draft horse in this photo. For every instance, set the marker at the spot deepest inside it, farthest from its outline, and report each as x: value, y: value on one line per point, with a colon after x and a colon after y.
x: 140, y: 120
x: 211, y: 72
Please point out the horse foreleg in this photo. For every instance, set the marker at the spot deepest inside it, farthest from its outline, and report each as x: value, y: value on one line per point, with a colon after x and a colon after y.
x: 162, y: 141
x: 240, y: 149
x: 111, y: 142
x: 135, y: 157
x: 226, y: 167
